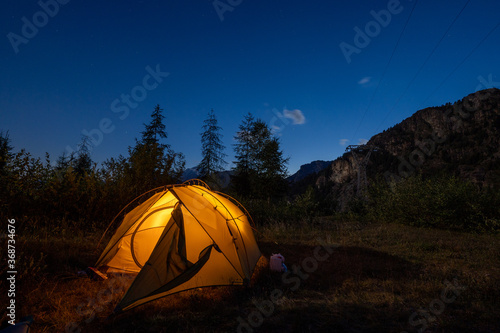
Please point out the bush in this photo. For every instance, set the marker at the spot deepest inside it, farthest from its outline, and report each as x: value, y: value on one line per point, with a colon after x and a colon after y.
x: 441, y: 201
x: 303, y: 209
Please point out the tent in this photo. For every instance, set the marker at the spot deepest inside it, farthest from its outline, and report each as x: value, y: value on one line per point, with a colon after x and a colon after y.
x: 183, y: 237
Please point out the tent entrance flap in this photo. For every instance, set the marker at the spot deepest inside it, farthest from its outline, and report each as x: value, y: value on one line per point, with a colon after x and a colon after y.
x: 147, y: 233
x: 168, y: 266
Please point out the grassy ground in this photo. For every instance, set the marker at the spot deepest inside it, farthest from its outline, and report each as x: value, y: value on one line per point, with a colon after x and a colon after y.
x: 343, y: 277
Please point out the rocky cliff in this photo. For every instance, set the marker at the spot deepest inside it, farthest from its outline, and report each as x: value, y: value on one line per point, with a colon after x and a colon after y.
x: 461, y: 139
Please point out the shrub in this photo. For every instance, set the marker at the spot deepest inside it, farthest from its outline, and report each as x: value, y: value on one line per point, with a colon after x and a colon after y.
x: 441, y: 201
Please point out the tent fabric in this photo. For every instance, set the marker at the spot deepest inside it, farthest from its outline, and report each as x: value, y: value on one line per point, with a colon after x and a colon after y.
x: 184, y: 237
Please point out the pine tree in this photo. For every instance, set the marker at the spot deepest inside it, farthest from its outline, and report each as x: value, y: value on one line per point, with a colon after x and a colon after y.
x: 260, y: 167
x: 6, y: 156
x: 152, y: 163
x: 83, y: 161
x: 63, y: 163
x: 5, y: 152
x: 212, y: 149
x: 243, y: 149
x: 272, y: 169
x: 155, y: 130
x: 260, y: 135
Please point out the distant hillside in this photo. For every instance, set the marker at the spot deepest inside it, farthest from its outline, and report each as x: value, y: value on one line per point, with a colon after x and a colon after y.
x: 461, y: 139
x: 223, y: 177
x: 307, y: 169
x: 190, y: 173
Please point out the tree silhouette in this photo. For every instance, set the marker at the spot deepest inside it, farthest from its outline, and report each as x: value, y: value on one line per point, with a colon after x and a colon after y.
x: 83, y: 161
x: 152, y: 163
x: 5, y: 151
x: 155, y: 130
x: 260, y: 166
x: 243, y: 153
x: 212, y: 148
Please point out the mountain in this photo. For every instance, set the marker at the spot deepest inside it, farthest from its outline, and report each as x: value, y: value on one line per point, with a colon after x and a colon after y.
x: 190, y: 173
x: 223, y: 177
x: 460, y: 139
x: 307, y: 169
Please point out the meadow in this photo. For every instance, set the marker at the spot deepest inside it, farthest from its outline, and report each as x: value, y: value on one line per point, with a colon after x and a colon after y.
x: 344, y: 276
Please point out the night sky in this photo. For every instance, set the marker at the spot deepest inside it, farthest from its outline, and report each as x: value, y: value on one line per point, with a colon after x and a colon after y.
x: 323, y: 74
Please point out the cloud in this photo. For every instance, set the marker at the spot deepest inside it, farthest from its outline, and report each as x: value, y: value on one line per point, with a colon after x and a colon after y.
x: 343, y: 142
x: 286, y: 118
x: 296, y: 116
x: 275, y: 128
x: 362, y: 141
x: 365, y: 80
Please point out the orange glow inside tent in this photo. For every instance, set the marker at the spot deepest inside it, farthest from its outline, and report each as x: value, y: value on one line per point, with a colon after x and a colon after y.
x: 183, y: 237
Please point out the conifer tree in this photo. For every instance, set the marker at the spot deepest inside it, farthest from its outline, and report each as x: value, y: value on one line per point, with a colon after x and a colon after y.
x: 272, y: 169
x: 5, y: 174
x: 260, y: 166
x: 212, y: 149
x: 83, y: 161
x: 243, y: 149
x: 155, y: 130
x: 5, y: 152
x: 152, y: 163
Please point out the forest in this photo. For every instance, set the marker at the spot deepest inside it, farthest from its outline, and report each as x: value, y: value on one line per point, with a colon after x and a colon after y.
x: 77, y: 192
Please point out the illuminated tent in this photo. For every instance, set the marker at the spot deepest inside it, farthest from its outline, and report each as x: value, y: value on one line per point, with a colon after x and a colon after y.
x: 184, y: 236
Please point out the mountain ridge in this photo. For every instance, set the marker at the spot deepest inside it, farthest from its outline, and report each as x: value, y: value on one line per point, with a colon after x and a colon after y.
x: 307, y: 169
x: 459, y: 139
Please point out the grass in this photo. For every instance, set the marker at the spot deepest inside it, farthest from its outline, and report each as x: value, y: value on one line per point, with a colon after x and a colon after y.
x: 376, y: 279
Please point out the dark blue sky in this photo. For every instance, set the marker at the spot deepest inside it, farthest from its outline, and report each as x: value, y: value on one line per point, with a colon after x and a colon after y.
x: 280, y: 60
